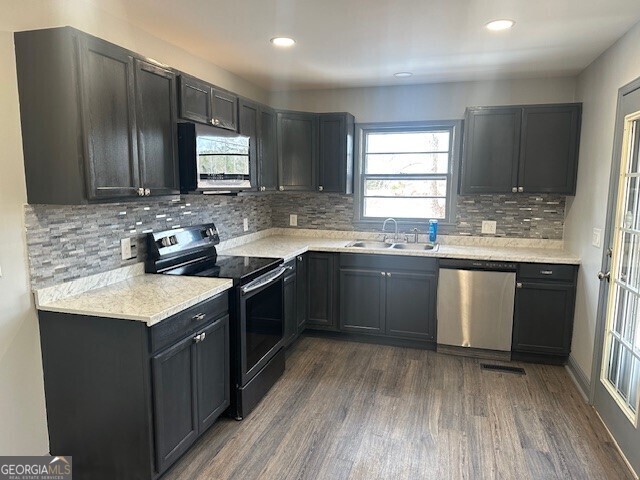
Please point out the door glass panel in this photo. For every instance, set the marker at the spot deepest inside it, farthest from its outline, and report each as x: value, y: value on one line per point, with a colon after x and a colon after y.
x: 621, y: 365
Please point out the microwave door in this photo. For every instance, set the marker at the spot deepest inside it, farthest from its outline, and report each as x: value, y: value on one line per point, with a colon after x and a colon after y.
x: 223, y: 162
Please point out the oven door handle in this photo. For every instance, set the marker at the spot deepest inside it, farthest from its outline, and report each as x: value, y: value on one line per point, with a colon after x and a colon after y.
x: 263, y: 281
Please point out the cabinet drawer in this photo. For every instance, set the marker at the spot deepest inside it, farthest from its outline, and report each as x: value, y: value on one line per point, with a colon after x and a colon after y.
x: 388, y: 262
x: 546, y: 271
x: 173, y: 328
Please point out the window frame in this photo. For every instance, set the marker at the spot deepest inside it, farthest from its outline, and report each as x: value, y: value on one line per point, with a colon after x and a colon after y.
x: 455, y: 151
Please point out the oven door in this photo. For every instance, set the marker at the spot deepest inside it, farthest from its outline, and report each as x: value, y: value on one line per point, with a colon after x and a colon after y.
x: 261, y: 322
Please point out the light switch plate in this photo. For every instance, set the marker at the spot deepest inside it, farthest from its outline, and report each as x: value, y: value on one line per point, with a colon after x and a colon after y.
x: 125, y: 248
x: 596, y: 237
x: 245, y: 224
x: 293, y: 220
x: 488, y: 226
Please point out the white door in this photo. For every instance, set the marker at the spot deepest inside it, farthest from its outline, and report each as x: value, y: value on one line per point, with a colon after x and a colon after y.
x: 616, y: 392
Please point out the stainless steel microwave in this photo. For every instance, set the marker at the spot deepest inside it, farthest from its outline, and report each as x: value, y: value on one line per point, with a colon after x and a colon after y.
x: 213, y: 160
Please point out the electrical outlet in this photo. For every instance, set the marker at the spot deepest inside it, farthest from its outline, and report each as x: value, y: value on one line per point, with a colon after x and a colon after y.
x: 489, y: 226
x: 245, y: 224
x: 596, y: 237
x: 293, y: 220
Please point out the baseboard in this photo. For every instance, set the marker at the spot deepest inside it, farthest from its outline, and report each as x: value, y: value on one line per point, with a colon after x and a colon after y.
x: 615, y: 443
x: 579, y: 378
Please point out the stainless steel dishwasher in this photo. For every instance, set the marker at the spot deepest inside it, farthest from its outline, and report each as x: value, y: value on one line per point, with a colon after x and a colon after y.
x: 475, y: 304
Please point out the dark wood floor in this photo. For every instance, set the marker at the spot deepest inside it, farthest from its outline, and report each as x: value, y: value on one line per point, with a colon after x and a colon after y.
x: 352, y: 410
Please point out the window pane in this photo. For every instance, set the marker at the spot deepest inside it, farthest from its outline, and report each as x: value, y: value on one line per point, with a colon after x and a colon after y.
x: 384, y: 142
x: 405, y: 188
x: 407, y: 163
x: 405, y: 207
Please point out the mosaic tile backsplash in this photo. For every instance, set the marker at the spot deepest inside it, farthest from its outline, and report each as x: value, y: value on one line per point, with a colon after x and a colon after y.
x: 521, y: 216
x: 69, y: 242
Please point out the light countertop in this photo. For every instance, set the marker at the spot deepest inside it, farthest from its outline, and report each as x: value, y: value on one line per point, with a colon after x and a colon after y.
x: 148, y: 298
x: 288, y: 246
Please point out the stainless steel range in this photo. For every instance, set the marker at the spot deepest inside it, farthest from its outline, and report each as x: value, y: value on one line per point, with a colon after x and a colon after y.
x: 257, y: 319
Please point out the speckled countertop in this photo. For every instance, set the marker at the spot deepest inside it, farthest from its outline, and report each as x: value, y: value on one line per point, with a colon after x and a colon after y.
x: 142, y: 297
x: 288, y: 246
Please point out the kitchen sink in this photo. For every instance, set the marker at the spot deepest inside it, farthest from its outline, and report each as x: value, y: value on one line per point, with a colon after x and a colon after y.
x: 369, y: 244
x: 413, y: 246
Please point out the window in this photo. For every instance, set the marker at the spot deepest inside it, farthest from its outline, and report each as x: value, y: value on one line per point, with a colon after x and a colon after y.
x: 407, y: 171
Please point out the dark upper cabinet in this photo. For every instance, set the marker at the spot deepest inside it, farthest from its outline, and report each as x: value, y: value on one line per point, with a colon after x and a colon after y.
x: 224, y: 109
x: 549, y: 149
x: 93, y: 133
x: 268, y: 150
x: 491, y: 147
x: 157, y: 133
x: 322, y: 290
x: 411, y: 305
x: 195, y: 99
x: 213, y: 374
x: 174, y: 401
x: 297, y: 150
x: 544, y: 309
x: 521, y: 149
x: 302, y: 281
x: 249, y: 125
x: 362, y: 301
x: 204, y: 103
x: 335, y: 162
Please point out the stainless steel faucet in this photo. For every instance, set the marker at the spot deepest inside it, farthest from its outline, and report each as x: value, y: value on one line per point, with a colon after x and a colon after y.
x: 415, y: 235
x: 384, y: 228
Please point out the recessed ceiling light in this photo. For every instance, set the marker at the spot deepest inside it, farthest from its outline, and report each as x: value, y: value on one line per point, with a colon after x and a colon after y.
x: 497, y: 25
x: 402, y: 74
x: 283, y: 41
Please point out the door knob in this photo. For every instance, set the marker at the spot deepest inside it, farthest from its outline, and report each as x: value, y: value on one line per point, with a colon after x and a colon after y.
x: 141, y: 192
x: 320, y: 188
x: 514, y: 190
x: 281, y: 188
x: 604, y: 276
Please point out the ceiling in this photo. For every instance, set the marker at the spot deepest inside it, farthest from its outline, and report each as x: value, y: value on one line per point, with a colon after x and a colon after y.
x: 346, y: 43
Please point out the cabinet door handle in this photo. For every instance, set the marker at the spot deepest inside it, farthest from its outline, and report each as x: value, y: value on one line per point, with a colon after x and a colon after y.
x: 520, y: 189
x: 514, y: 190
x: 147, y: 192
x: 320, y: 188
x: 141, y: 192
x: 388, y: 274
x: 197, y: 338
x: 518, y: 285
x: 382, y: 273
x: 281, y: 188
x: 299, y: 258
x: 199, y: 317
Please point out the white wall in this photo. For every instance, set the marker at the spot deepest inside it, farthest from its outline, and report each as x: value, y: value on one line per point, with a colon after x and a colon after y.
x: 441, y: 101
x: 34, y: 14
x: 597, y: 88
x: 22, y: 412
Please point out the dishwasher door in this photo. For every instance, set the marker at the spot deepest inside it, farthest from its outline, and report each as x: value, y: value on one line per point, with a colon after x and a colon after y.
x: 475, y: 308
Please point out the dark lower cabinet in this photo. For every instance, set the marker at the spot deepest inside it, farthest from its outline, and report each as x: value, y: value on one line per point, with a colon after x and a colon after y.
x: 389, y: 296
x: 544, y: 312
x: 322, y: 290
x: 362, y: 301
x: 150, y: 392
x: 174, y: 401
x: 212, y: 367
x: 290, y: 308
x: 302, y: 285
x: 411, y: 305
